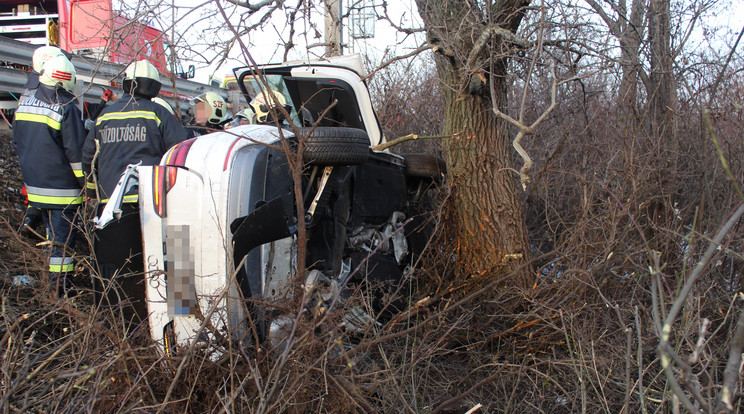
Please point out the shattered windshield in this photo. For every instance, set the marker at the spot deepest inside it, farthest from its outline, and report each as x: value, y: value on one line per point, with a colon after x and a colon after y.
x: 325, y: 101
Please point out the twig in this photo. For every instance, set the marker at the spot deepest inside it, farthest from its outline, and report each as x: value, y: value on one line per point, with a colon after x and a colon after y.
x: 664, y: 348
x: 731, y: 374
x: 409, y: 137
x: 639, y: 357
x: 389, y: 62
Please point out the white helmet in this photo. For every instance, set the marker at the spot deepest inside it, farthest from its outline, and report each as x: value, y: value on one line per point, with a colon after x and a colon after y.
x: 58, y: 70
x: 141, y: 78
x: 162, y: 102
x: 213, y: 105
x: 43, y: 54
x: 263, y: 105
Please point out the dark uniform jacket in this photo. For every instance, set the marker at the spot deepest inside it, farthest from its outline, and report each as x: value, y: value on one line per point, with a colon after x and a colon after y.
x: 32, y: 84
x: 48, y: 136
x: 131, y: 130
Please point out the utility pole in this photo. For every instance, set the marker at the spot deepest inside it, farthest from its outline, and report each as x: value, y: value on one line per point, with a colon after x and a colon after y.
x: 333, y: 28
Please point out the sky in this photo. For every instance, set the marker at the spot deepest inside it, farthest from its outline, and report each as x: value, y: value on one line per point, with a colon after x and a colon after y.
x: 201, y: 18
x: 197, y: 20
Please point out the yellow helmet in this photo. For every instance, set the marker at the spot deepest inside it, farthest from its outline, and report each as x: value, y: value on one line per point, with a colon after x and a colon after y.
x: 142, y: 78
x: 58, y: 70
x: 216, y: 108
x: 263, y: 105
x: 43, y: 54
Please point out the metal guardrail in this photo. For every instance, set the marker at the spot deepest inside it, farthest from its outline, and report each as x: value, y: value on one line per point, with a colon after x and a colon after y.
x: 95, y: 76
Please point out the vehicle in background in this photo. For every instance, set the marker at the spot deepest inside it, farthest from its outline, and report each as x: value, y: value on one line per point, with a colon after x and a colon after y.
x: 220, y: 224
x: 89, y: 28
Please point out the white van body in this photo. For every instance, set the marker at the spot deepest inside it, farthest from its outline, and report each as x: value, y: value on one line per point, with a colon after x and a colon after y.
x: 219, y: 214
x: 209, y: 193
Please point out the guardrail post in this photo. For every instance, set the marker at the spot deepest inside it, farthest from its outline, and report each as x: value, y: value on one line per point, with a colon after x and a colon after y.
x: 78, y: 91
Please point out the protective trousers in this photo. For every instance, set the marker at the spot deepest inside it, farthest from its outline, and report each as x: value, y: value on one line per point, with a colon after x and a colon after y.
x: 61, y: 231
x: 120, y: 287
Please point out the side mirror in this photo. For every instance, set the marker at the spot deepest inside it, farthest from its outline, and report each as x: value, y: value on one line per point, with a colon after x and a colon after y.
x: 191, y: 72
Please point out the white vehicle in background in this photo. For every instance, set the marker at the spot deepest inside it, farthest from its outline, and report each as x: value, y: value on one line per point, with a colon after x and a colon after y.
x: 219, y: 218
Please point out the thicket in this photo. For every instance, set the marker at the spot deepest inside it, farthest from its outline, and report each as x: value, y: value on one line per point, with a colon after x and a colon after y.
x: 619, y: 223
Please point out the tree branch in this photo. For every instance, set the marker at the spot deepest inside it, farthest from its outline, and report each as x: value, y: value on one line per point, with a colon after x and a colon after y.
x: 525, y: 130
x: 611, y: 23
x: 731, y: 373
x: 415, y: 52
x: 405, y: 138
x: 256, y: 6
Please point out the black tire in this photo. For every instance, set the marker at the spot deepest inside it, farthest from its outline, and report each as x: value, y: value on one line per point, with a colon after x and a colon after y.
x: 426, y: 166
x: 335, y: 146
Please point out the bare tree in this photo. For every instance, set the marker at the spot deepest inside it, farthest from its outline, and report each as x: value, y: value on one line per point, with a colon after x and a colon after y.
x: 473, y: 42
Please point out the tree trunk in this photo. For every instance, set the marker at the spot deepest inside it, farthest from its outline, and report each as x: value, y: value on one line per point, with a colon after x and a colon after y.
x: 661, y: 88
x: 631, y: 35
x: 488, y: 214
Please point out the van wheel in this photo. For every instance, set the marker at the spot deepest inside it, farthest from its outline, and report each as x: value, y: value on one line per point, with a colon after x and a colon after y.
x: 335, y: 146
x: 426, y: 166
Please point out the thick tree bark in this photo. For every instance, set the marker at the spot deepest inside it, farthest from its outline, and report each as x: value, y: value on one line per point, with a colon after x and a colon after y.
x: 488, y: 214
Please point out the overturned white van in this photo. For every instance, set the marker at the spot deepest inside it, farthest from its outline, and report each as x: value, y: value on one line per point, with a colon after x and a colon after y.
x: 219, y: 214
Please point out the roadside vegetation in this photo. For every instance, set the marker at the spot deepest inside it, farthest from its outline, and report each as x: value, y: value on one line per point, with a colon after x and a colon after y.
x: 629, y: 299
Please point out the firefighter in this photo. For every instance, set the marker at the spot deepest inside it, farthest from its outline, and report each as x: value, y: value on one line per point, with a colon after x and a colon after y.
x: 241, y: 118
x: 130, y: 131
x: 41, y: 55
x: 48, y: 136
x: 210, y: 114
x: 266, y: 107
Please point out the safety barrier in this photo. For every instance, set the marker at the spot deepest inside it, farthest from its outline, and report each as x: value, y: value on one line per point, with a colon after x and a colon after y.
x: 93, y: 78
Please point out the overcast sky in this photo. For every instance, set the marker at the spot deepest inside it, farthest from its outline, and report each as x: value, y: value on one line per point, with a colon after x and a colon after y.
x: 198, y: 21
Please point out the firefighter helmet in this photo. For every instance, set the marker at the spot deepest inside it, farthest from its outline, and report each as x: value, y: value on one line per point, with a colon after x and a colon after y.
x: 162, y: 102
x: 243, y: 117
x: 58, y: 70
x: 210, y: 106
x: 43, y: 54
x: 264, y: 106
x: 142, y: 78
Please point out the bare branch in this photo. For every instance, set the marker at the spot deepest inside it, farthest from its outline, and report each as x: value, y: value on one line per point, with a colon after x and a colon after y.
x: 613, y: 24
x: 406, y: 138
x: 731, y: 373
x: 385, y: 64
x: 397, y: 27
x: 256, y: 6
x: 525, y: 130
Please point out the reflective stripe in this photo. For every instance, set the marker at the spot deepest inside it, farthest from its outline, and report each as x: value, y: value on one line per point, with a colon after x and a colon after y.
x: 41, y: 119
x: 62, y: 268
x: 62, y: 201
x: 76, y: 165
x: 128, y: 115
x: 61, y: 264
x: 37, y: 110
x: 132, y: 198
x: 54, y: 196
x: 55, y: 192
x: 78, y: 173
x: 90, y: 186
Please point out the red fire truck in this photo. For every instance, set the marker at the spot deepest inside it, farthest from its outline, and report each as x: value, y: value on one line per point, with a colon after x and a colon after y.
x: 89, y: 28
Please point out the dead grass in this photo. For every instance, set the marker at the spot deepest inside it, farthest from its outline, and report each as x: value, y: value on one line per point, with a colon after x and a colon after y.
x: 608, y: 222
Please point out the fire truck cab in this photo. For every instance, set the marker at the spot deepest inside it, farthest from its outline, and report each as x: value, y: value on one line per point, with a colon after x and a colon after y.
x: 89, y: 28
